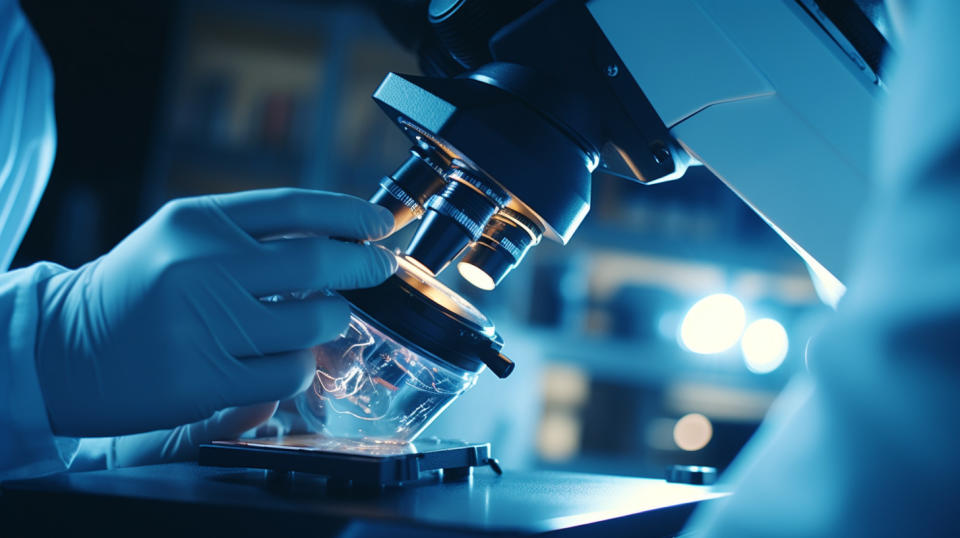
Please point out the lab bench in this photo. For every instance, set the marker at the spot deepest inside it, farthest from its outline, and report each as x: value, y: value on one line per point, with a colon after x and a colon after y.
x: 186, y: 498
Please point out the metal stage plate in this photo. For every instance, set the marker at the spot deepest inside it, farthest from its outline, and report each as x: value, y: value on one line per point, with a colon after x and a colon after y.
x: 346, y: 462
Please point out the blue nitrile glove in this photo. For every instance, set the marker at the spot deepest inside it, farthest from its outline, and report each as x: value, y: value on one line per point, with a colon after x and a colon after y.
x: 167, y: 328
x: 182, y: 443
x: 177, y: 444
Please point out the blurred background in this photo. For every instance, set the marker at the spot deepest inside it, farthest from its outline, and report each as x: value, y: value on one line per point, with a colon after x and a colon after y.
x: 659, y: 335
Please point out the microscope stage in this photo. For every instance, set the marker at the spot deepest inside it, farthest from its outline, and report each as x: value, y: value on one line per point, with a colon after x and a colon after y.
x: 353, y: 463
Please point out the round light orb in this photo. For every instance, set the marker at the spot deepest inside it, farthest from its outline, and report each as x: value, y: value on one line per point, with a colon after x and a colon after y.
x: 764, y: 345
x: 692, y: 432
x: 713, y: 324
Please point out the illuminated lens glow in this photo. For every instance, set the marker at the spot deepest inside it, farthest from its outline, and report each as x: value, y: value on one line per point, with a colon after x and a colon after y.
x: 692, y: 432
x: 713, y: 324
x: 476, y: 276
x: 764, y: 345
x: 416, y: 263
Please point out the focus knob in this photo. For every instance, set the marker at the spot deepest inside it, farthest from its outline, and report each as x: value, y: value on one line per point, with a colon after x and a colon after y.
x: 465, y: 27
x: 692, y: 474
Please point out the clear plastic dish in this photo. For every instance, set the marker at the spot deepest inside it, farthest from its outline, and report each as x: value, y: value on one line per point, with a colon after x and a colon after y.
x: 370, y: 386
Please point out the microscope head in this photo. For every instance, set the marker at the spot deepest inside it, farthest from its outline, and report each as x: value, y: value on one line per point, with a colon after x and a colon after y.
x: 526, y: 107
x: 487, y: 175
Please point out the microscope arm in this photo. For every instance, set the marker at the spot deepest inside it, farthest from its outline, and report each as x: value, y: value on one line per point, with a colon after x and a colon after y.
x: 780, y: 111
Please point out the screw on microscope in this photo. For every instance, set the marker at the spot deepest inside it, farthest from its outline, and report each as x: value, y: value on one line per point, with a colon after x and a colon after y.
x: 660, y: 153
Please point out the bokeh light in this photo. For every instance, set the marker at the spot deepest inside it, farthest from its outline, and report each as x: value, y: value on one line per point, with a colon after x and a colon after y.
x: 559, y: 436
x: 713, y: 324
x: 764, y: 345
x: 692, y: 432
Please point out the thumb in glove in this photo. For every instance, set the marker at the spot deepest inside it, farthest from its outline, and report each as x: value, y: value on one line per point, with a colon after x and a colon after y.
x: 181, y: 443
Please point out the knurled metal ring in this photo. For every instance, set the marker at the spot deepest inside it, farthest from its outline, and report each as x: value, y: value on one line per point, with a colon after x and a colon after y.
x: 514, y: 251
x: 442, y: 206
x: 495, y: 194
x: 425, y: 156
x: 397, y: 192
x: 531, y: 227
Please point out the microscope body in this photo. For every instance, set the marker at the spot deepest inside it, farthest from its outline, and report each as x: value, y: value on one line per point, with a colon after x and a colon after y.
x: 770, y: 95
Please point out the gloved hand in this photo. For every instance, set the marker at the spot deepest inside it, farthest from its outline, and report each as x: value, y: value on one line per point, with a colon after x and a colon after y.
x: 177, y: 444
x: 181, y: 443
x: 167, y: 328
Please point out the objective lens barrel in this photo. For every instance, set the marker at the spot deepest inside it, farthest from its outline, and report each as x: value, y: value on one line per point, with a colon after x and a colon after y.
x: 455, y: 217
x: 507, y: 238
x: 406, y: 191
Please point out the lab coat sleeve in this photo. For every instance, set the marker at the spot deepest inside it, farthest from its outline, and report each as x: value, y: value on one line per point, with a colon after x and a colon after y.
x: 27, y: 445
x: 27, y: 145
x: 27, y: 130
x: 867, y: 444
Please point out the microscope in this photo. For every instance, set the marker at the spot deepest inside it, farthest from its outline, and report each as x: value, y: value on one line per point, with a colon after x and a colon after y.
x: 523, y: 101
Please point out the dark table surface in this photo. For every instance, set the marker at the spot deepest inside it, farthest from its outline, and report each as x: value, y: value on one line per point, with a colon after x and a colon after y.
x: 190, y: 499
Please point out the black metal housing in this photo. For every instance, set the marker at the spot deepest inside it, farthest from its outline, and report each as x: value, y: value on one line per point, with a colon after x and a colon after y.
x: 496, y: 134
x: 552, y: 104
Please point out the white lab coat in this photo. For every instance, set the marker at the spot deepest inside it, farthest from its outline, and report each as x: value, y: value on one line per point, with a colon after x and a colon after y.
x: 27, y: 144
x: 867, y: 443
x: 27, y: 444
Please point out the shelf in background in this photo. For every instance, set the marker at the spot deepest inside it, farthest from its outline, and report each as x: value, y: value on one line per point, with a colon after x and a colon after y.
x: 647, y: 362
x: 728, y: 252
x: 242, y: 161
